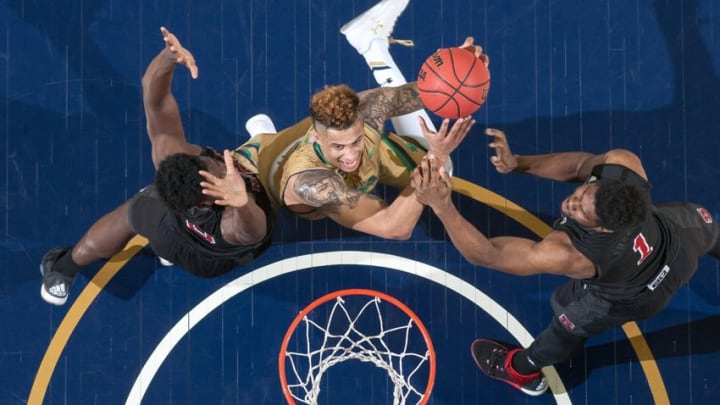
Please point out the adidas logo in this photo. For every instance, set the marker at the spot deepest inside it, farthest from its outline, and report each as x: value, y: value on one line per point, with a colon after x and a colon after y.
x: 58, y: 290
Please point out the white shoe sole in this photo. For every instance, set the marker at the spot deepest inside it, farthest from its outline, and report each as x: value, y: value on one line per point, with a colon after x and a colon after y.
x: 51, y: 299
x: 260, y: 124
x: 376, y: 23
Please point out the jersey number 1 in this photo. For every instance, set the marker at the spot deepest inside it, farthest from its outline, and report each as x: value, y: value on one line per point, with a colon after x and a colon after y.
x: 640, y: 245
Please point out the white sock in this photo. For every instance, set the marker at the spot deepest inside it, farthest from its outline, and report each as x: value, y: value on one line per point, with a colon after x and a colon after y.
x: 387, y: 74
x: 382, y: 65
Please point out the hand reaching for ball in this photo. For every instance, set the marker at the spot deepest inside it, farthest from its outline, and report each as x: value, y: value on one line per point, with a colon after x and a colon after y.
x: 477, y: 50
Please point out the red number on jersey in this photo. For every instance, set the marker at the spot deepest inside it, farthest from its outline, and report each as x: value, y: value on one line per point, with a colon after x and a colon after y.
x: 640, y: 245
x: 199, y: 232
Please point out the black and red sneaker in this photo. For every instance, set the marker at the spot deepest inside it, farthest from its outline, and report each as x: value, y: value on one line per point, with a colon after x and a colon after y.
x: 494, y: 359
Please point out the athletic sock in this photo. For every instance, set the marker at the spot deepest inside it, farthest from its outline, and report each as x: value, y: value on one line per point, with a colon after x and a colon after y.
x: 382, y: 65
x: 522, y: 363
x: 65, y: 265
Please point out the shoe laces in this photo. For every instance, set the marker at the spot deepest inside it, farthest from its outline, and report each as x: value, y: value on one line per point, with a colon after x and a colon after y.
x: 404, y: 42
x: 497, y: 361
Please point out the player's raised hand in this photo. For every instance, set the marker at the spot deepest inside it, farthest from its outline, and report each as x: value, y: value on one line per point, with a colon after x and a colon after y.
x: 229, y: 190
x: 181, y: 55
x: 446, y: 140
x: 431, y: 183
x: 504, y: 161
x: 469, y: 44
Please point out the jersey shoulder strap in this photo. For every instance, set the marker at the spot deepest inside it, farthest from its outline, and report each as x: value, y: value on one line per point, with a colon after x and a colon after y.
x: 612, y: 171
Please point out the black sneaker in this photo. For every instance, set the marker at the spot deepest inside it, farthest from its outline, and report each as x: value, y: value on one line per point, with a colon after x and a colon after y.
x: 494, y: 359
x: 55, y: 286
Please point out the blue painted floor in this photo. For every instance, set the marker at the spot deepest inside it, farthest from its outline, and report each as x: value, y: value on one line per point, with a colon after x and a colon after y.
x: 566, y: 75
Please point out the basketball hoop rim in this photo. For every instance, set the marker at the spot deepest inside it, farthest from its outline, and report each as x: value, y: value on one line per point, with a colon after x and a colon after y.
x: 356, y: 291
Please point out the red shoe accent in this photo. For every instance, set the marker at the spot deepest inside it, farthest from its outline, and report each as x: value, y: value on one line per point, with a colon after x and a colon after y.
x: 521, y: 379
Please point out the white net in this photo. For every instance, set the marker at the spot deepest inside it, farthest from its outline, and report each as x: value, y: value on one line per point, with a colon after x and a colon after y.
x: 370, y: 331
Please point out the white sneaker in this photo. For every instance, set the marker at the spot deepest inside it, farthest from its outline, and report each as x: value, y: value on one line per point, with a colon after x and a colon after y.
x: 260, y: 124
x: 376, y: 23
x: 165, y: 262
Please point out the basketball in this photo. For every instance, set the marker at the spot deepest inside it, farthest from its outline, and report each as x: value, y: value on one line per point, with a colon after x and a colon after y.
x: 453, y: 83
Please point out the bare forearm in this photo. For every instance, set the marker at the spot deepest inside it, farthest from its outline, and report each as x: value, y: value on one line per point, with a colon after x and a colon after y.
x: 508, y: 254
x: 157, y: 79
x: 472, y: 244
x: 245, y: 225
x: 383, y: 103
x: 161, y: 109
x: 397, y: 220
x: 566, y: 166
x: 407, y: 99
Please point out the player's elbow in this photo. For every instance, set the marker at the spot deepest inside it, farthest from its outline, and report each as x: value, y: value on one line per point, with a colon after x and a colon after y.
x: 623, y: 157
x: 400, y: 236
x: 478, y: 261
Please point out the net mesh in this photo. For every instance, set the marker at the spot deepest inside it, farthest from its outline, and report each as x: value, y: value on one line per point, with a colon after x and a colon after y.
x: 345, y: 336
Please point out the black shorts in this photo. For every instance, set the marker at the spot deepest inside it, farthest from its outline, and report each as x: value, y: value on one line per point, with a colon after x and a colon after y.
x: 151, y: 218
x: 697, y: 230
x: 584, y: 313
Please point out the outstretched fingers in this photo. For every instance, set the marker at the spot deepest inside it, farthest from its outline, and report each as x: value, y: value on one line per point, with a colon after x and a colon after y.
x: 503, y: 160
x: 229, y: 163
x: 211, y: 187
x: 182, y: 56
x: 477, y: 50
x: 229, y: 190
x: 461, y: 128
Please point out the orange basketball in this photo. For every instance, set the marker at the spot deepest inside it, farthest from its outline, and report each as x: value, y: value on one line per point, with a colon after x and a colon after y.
x: 453, y: 83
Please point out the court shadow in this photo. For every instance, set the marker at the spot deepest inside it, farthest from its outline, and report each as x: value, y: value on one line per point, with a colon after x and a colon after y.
x: 684, y: 340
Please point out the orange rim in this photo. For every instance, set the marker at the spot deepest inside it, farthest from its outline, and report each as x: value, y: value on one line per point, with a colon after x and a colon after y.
x: 356, y: 291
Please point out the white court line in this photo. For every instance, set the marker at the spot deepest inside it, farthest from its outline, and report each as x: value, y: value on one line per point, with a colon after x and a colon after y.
x: 314, y: 260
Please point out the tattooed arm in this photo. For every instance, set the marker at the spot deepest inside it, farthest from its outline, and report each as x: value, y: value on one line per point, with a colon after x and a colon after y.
x: 380, y: 104
x: 326, y: 192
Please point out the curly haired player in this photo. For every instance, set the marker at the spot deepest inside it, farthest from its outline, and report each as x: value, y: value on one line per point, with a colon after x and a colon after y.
x: 328, y: 164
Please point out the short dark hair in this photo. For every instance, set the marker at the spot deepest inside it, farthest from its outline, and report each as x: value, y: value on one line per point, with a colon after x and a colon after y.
x: 178, y: 183
x: 335, y: 107
x: 620, y: 205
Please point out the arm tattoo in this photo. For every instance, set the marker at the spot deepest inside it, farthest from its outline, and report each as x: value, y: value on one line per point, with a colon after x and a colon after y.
x: 379, y: 105
x: 323, y: 188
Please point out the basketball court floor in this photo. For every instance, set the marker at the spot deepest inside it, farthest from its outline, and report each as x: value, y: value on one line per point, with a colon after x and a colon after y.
x: 566, y: 75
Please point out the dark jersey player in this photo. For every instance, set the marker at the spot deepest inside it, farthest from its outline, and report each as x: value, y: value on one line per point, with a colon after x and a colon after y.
x: 205, y: 211
x: 625, y: 256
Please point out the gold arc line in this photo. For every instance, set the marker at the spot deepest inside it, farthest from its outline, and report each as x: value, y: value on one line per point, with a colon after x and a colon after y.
x: 478, y: 193
x: 75, y: 313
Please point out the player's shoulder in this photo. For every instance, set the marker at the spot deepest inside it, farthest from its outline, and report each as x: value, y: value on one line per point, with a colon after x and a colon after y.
x: 626, y: 158
x: 563, y: 258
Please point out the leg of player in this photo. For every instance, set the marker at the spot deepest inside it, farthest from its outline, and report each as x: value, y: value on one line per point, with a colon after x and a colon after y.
x: 104, y: 239
x: 369, y: 33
